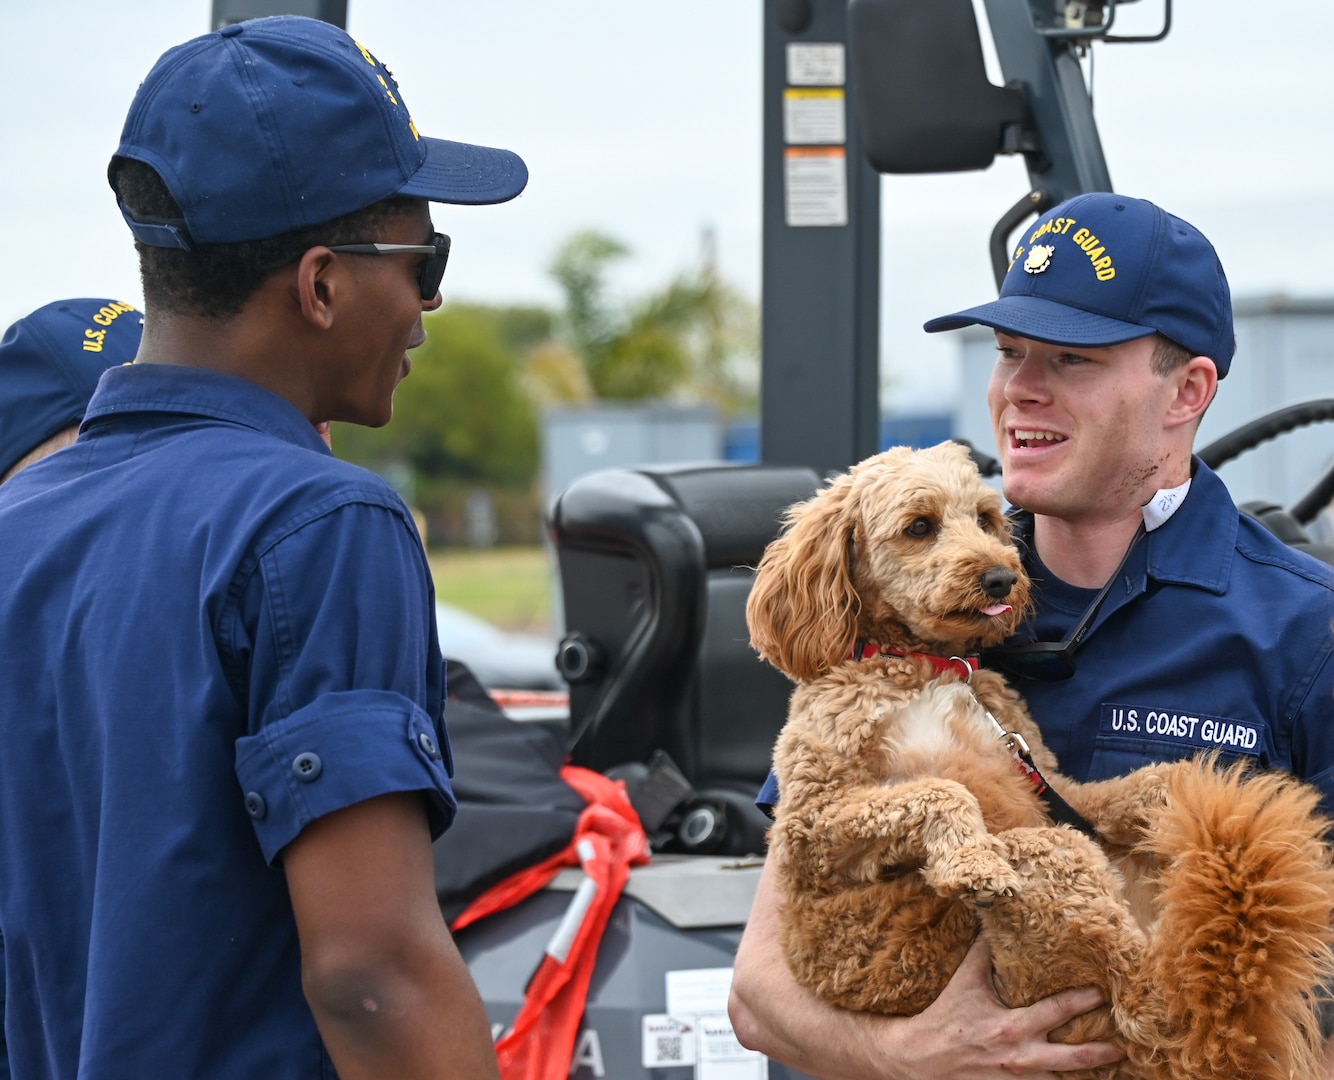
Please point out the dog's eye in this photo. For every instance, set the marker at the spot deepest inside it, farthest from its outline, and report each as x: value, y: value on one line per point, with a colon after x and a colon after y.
x: 984, y: 522
x: 921, y: 528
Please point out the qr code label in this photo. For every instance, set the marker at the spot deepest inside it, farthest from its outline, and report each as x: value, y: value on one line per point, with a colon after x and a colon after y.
x: 668, y: 1048
x: 668, y: 1041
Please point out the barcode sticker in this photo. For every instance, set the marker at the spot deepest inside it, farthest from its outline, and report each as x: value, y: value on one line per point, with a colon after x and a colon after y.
x: 667, y: 1042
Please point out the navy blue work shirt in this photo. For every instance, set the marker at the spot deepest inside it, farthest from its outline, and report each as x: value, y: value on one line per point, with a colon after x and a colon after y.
x: 1217, y: 637
x: 212, y: 633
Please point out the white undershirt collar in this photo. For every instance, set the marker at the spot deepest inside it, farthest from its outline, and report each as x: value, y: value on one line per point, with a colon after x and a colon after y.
x: 1163, y: 505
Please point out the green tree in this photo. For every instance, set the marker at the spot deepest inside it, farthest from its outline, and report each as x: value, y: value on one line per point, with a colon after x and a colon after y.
x: 466, y: 418
x: 462, y: 420
x: 580, y: 270
x: 696, y: 339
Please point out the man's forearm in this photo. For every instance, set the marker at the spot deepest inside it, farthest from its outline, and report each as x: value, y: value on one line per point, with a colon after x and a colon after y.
x: 419, y: 1018
x: 772, y: 1013
x: 389, y: 991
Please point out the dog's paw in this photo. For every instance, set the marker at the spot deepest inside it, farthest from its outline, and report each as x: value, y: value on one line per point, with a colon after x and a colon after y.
x: 974, y: 874
x: 1125, y: 818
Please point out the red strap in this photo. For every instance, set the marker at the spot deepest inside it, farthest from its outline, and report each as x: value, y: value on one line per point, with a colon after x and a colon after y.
x: 513, y: 889
x: 608, y: 840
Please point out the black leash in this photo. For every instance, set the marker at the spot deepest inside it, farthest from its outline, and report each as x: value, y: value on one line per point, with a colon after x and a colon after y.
x: 1061, y: 811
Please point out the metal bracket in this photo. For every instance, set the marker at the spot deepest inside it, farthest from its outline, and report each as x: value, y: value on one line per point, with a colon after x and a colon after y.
x: 1070, y: 20
x: 1035, y: 202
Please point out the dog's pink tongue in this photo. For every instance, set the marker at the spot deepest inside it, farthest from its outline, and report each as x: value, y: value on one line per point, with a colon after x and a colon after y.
x: 997, y: 609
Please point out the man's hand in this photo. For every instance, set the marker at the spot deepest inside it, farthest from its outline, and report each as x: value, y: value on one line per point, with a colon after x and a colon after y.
x: 969, y: 1032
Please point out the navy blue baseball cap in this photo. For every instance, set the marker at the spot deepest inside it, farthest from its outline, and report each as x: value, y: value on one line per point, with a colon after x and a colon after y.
x: 50, y: 362
x: 1101, y: 269
x: 271, y: 125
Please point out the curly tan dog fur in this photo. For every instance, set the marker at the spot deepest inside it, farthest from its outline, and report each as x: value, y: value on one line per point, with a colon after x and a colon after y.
x: 904, y: 823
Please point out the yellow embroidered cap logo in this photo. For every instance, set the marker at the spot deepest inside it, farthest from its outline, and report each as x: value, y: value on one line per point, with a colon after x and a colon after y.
x: 389, y: 93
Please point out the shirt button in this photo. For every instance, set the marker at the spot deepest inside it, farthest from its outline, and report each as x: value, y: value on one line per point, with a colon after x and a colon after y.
x: 307, y: 766
x: 427, y: 744
x: 255, y: 805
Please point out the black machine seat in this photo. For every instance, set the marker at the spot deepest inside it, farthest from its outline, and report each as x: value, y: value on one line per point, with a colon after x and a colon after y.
x: 656, y: 564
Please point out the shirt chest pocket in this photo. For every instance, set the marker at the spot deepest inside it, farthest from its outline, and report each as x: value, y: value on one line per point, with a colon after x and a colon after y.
x: 1131, y: 736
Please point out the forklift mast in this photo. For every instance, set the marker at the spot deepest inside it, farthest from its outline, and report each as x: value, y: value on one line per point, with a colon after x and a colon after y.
x: 853, y: 89
x: 856, y: 88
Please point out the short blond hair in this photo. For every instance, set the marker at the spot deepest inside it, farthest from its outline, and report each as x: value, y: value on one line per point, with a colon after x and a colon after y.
x: 1167, y: 355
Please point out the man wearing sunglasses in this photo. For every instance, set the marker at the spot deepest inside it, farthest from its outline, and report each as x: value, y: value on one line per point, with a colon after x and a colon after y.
x: 221, y: 689
x: 1166, y: 622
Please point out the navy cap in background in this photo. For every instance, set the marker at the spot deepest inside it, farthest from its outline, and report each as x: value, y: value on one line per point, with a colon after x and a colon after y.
x: 50, y: 362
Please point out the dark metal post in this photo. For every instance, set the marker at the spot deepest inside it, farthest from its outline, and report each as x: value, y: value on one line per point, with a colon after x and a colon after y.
x: 1049, y: 69
x: 226, y: 12
x: 820, y: 381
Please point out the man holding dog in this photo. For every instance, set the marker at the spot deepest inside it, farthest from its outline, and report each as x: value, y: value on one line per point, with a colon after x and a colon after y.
x: 221, y: 689
x: 1169, y: 623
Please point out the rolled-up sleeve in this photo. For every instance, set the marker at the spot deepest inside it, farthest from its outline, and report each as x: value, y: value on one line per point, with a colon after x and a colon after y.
x: 333, y: 643
x: 339, y: 751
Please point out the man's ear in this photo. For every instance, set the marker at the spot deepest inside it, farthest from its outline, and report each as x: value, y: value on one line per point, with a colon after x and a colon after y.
x: 1195, y: 382
x: 318, y: 286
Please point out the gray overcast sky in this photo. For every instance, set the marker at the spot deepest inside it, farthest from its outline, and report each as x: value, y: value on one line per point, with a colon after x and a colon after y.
x: 643, y: 119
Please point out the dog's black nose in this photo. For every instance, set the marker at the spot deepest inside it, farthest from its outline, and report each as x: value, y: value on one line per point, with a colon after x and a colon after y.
x: 997, y: 582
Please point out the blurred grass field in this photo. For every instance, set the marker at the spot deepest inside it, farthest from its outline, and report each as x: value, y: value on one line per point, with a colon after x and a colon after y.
x: 510, y: 587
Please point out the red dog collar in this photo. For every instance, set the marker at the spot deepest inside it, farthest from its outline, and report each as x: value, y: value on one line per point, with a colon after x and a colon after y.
x: 963, y: 666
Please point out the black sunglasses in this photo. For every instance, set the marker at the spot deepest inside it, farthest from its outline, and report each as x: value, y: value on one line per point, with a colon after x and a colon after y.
x: 431, y: 271
x: 1052, y: 661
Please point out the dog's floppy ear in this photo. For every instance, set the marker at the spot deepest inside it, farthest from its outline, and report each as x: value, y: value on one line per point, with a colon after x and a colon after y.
x: 802, y: 610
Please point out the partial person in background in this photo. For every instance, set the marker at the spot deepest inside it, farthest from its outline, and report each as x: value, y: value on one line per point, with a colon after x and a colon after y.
x: 50, y: 362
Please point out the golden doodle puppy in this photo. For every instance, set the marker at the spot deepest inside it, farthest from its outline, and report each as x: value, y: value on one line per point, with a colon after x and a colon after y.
x: 910, y: 813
